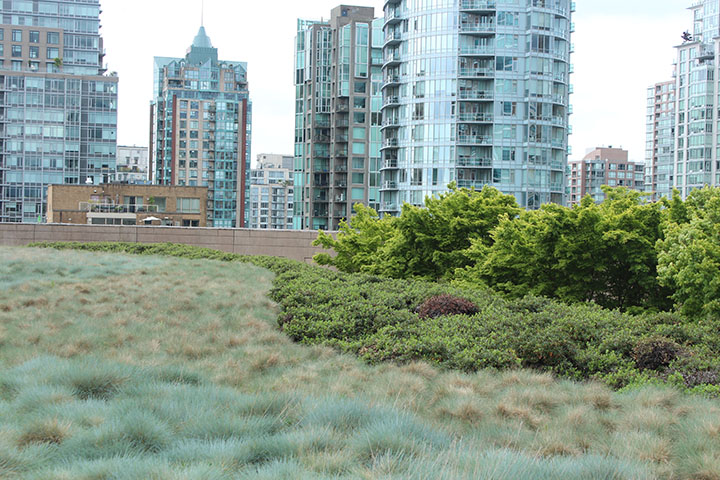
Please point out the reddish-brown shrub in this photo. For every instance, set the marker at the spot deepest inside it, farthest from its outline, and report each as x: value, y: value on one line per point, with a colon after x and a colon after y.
x: 656, y: 352
x: 446, y: 305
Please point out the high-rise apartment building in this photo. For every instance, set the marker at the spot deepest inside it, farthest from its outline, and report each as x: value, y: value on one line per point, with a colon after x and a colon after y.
x: 201, y: 127
x: 338, y: 80
x: 475, y: 92
x: 58, y: 109
x: 603, y: 167
x: 272, y: 193
x: 660, y: 140
x: 696, y: 159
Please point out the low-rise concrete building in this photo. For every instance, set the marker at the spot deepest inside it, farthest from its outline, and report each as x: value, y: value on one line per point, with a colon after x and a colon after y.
x: 123, y: 204
x: 603, y: 166
x: 132, y: 165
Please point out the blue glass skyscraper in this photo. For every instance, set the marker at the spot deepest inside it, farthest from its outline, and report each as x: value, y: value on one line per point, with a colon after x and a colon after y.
x: 58, y: 108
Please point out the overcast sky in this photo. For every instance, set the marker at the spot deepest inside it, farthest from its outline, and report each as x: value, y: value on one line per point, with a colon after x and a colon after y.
x: 621, y: 48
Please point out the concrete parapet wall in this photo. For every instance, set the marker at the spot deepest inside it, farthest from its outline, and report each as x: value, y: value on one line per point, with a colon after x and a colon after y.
x: 296, y: 245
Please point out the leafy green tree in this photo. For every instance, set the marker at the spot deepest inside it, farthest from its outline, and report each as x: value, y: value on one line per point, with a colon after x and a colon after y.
x: 689, y: 256
x: 602, y: 253
x: 358, y: 243
x: 429, y: 242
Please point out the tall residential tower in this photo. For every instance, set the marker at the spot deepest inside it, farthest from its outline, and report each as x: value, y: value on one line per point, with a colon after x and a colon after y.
x: 201, y: 126
x: 58, y: 109
x: 696, y: 158
x: 475, y: 92
x: 338, y: 82
x: 660, y: 140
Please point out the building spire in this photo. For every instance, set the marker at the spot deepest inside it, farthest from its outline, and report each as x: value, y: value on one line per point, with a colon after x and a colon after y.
x: 202, y: 14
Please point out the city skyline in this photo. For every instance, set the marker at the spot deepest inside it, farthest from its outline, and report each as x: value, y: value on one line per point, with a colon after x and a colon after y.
x: 609, y: 86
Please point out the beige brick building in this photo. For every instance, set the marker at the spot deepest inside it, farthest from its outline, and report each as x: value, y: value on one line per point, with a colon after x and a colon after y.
x: 122, y: 204
x: 603, y: 166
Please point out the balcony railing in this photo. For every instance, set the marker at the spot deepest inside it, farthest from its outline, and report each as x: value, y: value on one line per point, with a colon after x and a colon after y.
x: 391, y: 101
x: 477, y: 72
x: 477, y: 5
x: 389, y: 164
x: 476, y: 117
x: 470, y: 161
x: 113, y: 208
x: 480, y: 27
x: 476, y: 95
x: 475, y: 139
x: 477, y: 50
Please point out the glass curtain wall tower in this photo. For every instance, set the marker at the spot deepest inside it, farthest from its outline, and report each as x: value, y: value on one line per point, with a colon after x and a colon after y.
x: 338, y: 80
x: 475, y: 92
x: 58, y: 109
x: 660, y: 140
x: 201, y: 128
x: 696, y: 160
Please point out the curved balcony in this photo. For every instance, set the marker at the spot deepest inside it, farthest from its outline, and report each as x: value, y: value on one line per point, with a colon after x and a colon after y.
x: 477, y: 51
x: 477, y: 6
x: 474, y: 140
x: 392, y: 101
x: 475, y: 117
x: 476, y: 73
x: 476, y: 95
x: 389, y: 143
x: 392, y: 60
x: 393, y: 39
x: 474, y: 162
x: 391, y: 81
x: 393, y: 17
x: 481, y: 28
x: 390, y: 123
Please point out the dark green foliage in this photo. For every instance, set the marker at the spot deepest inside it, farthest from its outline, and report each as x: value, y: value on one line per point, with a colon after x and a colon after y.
x: 446, y: 305
x: 377, y: 319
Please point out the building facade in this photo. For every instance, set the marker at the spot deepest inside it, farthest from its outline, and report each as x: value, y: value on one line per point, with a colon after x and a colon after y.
x: 201, y: 129
x: 696, y: 161
x: 58, y: 108
x: 475, y: 92
x: 338, y: 80
x: 132, y: 165
x: 120, y: 204
x: 272, y: 193
x: 660, y: 140
x: 603, y: 167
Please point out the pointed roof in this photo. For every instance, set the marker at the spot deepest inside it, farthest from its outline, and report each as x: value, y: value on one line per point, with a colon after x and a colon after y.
x: 202, y: 40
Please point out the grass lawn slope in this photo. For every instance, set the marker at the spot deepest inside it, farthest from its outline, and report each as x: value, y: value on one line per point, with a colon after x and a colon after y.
x: 117, y: 366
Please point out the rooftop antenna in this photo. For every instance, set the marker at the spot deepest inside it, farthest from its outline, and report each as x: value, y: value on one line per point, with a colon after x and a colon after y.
x: 202, y: 14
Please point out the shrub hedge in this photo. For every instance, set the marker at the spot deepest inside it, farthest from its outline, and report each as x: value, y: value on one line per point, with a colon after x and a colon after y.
x: 377, y: 318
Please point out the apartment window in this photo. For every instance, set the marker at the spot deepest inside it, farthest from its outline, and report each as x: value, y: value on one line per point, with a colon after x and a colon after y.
x: 53, y: 53
x: 2, y: 50
x: 16, y: 51
x: 360, y: 87
x: 34, y: 52
x: 53, y: 38
x: 34, y: 36
x: 188, y: 205
x: 17, y: 35
x: 2, y: 34
x: 16, y: 65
